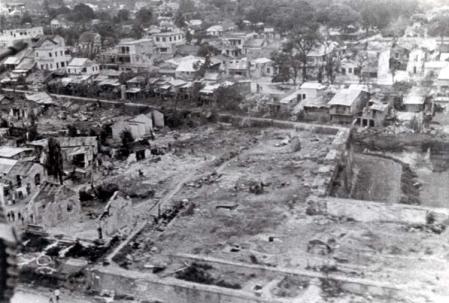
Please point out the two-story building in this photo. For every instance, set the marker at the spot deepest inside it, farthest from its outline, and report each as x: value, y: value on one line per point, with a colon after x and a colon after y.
x: 347, y: 104
x: 50, y: 53
x: 135, y: 55
x: 168, y: 39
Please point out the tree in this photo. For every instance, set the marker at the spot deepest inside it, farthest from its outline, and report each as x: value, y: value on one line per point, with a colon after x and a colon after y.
x: 282, y: 66
x: 207, y: 50
x: 144, y: 17
x: 187, y: 6
x: 228, y: 98
x: 122, y: 16
x: 342, y: 16
x: 202, y: 67
x: 301, y: 41
x: 72, y: 131
x: 54, y: 163
x: 439, y: 26
x: 82, y: 13
x: 127, y: 141
x: 26, y: 18
x: 105, y: 133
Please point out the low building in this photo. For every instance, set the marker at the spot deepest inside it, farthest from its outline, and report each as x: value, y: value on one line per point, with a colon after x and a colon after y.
x: 414, y: 101
x: 261, y: 67
x: 82, y: 66
x: 311, y: 90
x: 9, y: 36
x: 215, y: 31
x: 186, y: 67
x: 347, y: 104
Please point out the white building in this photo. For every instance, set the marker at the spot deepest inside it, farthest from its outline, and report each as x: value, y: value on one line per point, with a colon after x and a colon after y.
x: 415, y: 65
x: 167, y: 41
x: 9, y: 36
x: 83, y: 66
x: 135, y: 54
x: 50, y: 53
x: 215, y: 30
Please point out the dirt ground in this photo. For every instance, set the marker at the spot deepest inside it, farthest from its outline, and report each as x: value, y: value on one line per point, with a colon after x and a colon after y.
x: 230, y: 222
x: 378, y: 179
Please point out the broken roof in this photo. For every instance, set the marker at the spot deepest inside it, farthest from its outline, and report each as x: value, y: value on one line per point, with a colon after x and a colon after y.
x: 40, y: 98
x: 6, y: 165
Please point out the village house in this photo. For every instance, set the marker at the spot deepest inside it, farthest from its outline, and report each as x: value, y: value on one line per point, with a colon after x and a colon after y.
x: 312, y: 105
x: 50, y: 53
x: 311, y: 90
x: 347, y: 104
x: 288, y: 102
x: 232, y: 44
x: 237, y: 67
x: 317, y: 56
x: 261, y: 67
x: 350, y: 69
x: 82, y: 66
x: 253, y: 46
x: 374, y: 114
x: 414, y: 101
x: 312, y: 109
x: 59, y: 22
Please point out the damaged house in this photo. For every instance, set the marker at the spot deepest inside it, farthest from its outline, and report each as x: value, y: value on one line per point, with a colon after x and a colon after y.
x: 140, y: 126
x: 77, y: 152
x: 52, y: 205
x: 19, y: 179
